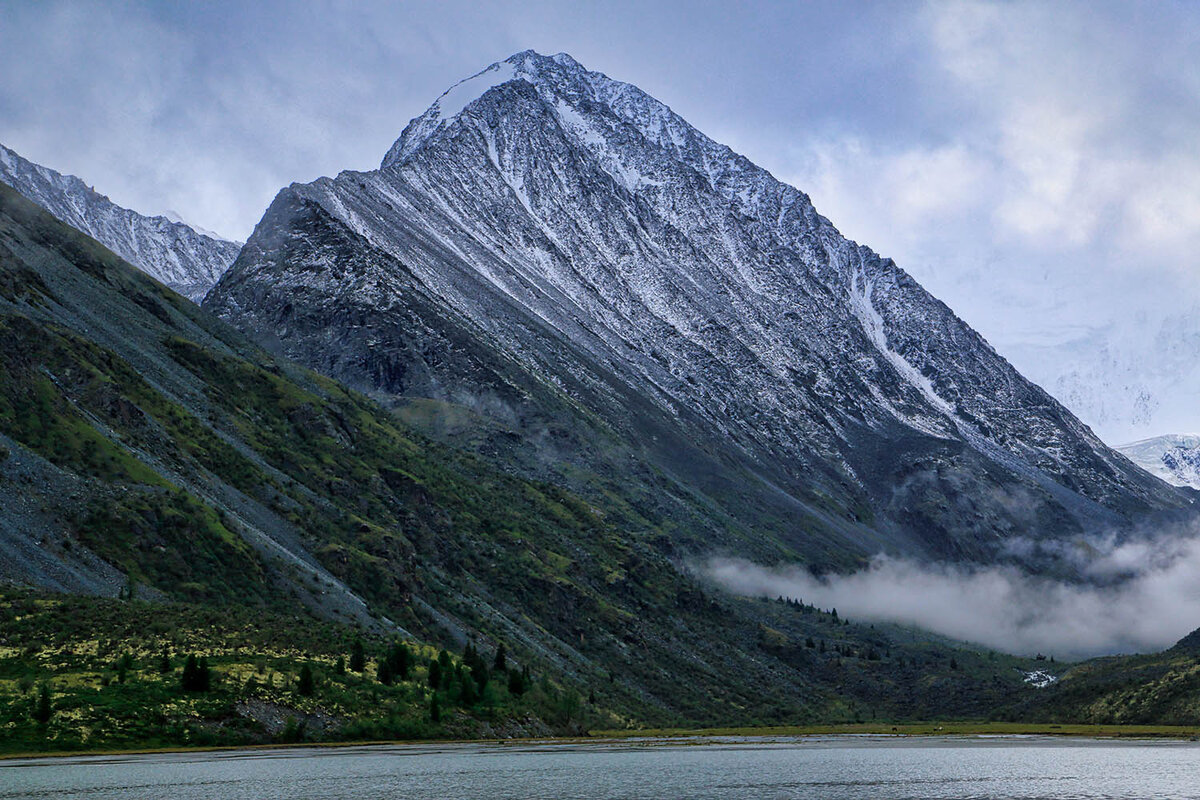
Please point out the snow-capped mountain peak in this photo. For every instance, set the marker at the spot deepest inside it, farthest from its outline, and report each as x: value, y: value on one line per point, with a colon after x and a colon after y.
x: 552, y: 218
x: 559, y: 79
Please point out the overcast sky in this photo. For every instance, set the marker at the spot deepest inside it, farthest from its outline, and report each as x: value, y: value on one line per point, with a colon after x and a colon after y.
x: 1036, y: 165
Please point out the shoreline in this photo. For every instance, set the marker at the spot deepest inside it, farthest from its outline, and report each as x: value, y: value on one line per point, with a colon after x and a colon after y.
x: 916, y: 730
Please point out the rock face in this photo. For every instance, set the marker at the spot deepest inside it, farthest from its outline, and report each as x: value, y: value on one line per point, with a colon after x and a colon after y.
x: 169, y: 251
x: 546, y: 235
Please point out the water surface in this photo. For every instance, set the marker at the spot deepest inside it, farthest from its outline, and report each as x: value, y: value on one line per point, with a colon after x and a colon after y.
x: 829, y: 768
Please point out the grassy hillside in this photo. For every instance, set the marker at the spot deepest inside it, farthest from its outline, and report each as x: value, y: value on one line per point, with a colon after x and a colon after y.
x: 1155, y: 689
x: 85, y: 673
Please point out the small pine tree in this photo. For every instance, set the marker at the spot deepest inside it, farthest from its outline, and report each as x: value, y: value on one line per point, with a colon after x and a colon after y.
x: 435, y: 708
x: 401, y: 661
x: 188, y: 679
x: 44, y: 709
x: 384, y: 673
x: 195, y: 676
x: 293, y: 731
x: 435, y: 674
x: 500, y: 664
x: 953, y: 663
x: 479, y: 673
x: 340, y: 667
x: 306, y: 685
x: 469, y: 695
x: 516, y: 683
x: 470, y: 654
x: 164, y: 663
x: 358, y: 657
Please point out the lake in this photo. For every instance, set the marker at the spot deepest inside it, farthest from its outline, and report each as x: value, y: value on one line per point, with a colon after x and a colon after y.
x: 828, y: 768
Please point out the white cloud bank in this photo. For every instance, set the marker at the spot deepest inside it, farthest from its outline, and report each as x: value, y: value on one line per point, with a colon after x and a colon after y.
x: 1143, y: 597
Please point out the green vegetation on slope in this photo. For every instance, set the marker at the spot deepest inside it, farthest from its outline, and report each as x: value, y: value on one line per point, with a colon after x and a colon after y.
x: 1158, y: 689
x: 85, y: 673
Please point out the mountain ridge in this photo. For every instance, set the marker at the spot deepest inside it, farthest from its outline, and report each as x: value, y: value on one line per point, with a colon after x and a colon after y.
x: 179, y: 255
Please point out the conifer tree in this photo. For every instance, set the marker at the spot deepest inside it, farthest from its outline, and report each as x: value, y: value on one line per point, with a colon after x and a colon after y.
x: 358, y: 657
x: 43, y: 710
x: 479, y: 673
x: 468, y: 694
x: 384, y: 673
x: 403, y: 661
x: 500, y: 664
x: 306, y: 685
x: 399, y: 661
x: 196, y: 676
x: 188, y: 679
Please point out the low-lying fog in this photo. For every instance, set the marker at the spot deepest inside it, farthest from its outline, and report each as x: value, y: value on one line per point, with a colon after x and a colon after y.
x: 1135, y: 597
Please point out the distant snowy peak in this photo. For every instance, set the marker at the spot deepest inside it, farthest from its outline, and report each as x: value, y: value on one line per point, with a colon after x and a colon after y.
x: 1174, y: 457
x: 164, y: 247
x: 174, y: 216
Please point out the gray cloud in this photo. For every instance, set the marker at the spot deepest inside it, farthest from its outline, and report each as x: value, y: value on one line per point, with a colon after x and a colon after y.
x: 1133, y: 597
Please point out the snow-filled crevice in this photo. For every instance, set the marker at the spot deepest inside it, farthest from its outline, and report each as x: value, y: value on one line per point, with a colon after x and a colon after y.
x: 872, y: 323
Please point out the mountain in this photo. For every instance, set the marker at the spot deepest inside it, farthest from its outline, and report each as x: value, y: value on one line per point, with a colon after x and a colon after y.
x: 167, y: 249
x: 148, y: 449
x: 1175, y: 458
x: 607, y: 294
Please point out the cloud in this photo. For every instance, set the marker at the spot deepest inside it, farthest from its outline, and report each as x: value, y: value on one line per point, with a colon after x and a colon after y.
x: 1135, y: 597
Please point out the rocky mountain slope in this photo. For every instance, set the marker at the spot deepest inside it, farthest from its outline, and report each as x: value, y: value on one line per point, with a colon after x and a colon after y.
x: 145, y: 444
x: 187, y: 260
x: 601, y: 288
